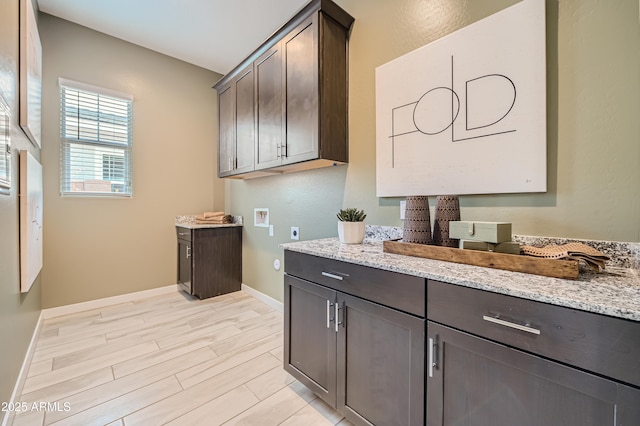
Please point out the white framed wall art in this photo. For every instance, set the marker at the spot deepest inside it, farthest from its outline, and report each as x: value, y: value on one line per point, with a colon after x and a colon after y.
x: 30, y: 220
x: 466, y: 114
x: 30, y: 74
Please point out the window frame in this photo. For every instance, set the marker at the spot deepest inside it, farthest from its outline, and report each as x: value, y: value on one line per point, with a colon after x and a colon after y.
x: 110, y: 147
x: 5, y: 147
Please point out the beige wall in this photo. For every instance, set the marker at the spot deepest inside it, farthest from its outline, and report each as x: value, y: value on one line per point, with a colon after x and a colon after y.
x: 100, y: 247
x: 593, y: 132
x: 18, y: 312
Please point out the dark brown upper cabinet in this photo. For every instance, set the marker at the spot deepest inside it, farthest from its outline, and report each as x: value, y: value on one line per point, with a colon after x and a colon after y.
x: 285, y: 107
x: 270, y: 130
x: 236, y: 124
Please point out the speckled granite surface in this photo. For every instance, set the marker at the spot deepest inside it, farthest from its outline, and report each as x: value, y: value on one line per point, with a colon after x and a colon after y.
x: 190, y: 222
x: 614, y: 292
x: 623, y: 255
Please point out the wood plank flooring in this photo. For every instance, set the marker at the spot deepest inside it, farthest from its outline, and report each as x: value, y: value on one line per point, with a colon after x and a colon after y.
x: 171, y: 360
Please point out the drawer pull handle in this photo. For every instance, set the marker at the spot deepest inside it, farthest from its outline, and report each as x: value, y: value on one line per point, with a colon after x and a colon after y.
x: 511, y: 324
x: 334, y: 276
x: 183, y: 233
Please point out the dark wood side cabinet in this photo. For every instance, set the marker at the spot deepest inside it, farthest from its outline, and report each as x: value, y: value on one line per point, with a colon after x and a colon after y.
x: 297, y: 84
x: 498, y: 360
x: 356, y: 337
x: 209, y: 260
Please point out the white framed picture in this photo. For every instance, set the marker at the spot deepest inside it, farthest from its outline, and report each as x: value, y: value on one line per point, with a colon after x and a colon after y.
x: 466, y: 114
x: 31, y: 200
x: 261, y: 217
x: 30, y: 74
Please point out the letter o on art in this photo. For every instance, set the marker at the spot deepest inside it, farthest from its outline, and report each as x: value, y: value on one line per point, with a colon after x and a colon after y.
x: 436, y: 110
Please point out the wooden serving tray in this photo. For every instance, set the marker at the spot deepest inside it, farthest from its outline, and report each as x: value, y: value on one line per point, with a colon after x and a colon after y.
x: 567, y: 269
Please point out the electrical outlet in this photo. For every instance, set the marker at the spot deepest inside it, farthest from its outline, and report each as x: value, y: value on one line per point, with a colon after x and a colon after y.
x: 295, y: 233
x: 271, y: 230
x: 403, y: 207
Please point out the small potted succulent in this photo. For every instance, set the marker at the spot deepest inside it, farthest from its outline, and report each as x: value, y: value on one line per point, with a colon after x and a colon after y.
x: 351, y: 225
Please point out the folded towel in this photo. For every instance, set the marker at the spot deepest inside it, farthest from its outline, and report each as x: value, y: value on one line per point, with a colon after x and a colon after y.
x: 214, y: 220
x: 202, y: 217
x: 213, y: 214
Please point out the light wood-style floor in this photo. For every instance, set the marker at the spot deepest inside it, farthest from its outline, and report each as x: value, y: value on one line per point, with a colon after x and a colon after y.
x: 168, y: 359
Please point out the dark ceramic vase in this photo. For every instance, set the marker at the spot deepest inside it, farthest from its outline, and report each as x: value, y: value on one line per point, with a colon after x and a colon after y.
x: 417, y: 220
x: 447, y: 210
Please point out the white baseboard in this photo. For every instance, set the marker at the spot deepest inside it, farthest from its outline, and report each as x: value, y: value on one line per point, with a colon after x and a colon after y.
x: 107, y: 301
x: 268, y: 300
x: 24, y: 370
x: 123, y: 298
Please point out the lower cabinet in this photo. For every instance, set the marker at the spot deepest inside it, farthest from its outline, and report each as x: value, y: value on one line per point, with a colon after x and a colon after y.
x: 380, y: 366
x: 184, y: 263
x: 310, y: 338
x: 363, y: 358
x: 496, y: 360
x: 484, y: 383
x: 209, y: 260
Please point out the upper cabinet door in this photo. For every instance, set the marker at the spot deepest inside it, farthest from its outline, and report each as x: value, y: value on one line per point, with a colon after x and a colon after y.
x: 245, y: 121
x: 226, y: 129
x: 269, y: 109
x: 236, y: 124
x: 301, y: 92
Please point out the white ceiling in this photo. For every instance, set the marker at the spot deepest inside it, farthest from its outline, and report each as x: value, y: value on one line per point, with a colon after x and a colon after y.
x: 214, y: 34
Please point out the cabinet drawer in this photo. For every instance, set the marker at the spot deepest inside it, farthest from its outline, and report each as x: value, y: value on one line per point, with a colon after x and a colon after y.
x: 183, y: 233
x: 598, y: 343
x: 403, y: 292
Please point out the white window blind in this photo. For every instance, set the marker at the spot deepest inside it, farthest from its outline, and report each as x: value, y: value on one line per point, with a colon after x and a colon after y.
x: 5, y: 147
x: 96, y: 141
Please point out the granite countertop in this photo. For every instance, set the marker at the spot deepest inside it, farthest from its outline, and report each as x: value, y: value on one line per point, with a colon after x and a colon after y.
x: 206, y: 225
x: 614, y: 292
x: 189, y: 222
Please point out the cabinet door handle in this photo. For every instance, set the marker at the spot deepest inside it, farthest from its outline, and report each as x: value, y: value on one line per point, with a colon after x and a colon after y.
x: 334, y: 276
x: 188, y: 252
x: 432, y: 355
x: 511, y: 324
x: 329, y: 319
x: 278, y: 151
x: 337, y: 319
